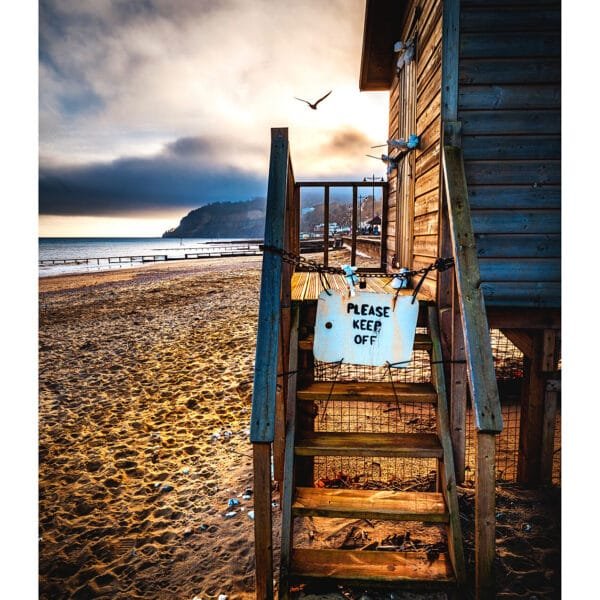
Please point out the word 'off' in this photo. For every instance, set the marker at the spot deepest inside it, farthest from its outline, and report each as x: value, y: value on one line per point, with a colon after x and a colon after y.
x: 365, y: 329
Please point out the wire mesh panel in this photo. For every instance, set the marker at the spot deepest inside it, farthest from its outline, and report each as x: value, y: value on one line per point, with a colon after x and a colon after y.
x: 373, y: 473
x: 417, y: 371
x: 557, y: 450
x: 508, y: 362
x: 375, y: 417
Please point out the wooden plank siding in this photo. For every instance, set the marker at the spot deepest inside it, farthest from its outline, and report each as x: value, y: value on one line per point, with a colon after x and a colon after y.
x: 414, y: 191
x: 509, y: 109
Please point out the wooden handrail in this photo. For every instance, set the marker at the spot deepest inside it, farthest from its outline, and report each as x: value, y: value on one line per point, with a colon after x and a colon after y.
x: 272, y: 341
x: 447, y: 472
x: 480, y: 366
x: 262, y: 425
x: 480, y: 360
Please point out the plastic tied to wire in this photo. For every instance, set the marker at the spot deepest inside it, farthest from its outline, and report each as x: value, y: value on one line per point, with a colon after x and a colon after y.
x: 406, y: 53
x: 401, y: 280
x: 351, y: 278
x: 410, y: 144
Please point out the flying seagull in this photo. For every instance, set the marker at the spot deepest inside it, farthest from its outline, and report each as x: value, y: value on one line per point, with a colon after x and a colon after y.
x: 314, y: 106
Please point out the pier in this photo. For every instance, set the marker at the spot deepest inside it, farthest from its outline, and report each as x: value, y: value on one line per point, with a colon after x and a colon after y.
x: 208, y: 252
x: 225, y: 250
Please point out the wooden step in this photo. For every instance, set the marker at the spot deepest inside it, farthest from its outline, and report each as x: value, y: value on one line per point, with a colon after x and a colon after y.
x: 377, y: 391
x: 427, y: 507
x: 363, y: 566
x: 422, y: 342
x: 415, y: 445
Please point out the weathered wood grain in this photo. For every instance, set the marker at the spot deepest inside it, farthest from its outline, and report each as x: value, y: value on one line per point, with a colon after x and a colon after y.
x: 509, y: 96
x: 507, y: 44
x: 427, y: 507
x: 485, y: 515
x: 450, y: 60
x: 459, y: 389
x: 427, y: 203
x: 287, y: 494
x: 431, y: 112
x: 480, y: 363
x: 426, y: 245
x: 429, y: 59
x: 509, y: 221
x: 514, y: 197
x: 546, y: 294
x: 513, y: 172
x: 379, y: 391
x: 263, y: 525
x: 521, y: 19
x: 524, y: 269
x: 423, y: 445
x: 455, y: 541
x: 548, y: 428
x: 429, y: 137
x: 262, y: 425
x: 356, y: 566
x: 511, y: 147
x: 504, y: 122
x: 508, y: 70
x: 426, y: 224
x: 430, y: 180
x: 532, y: 415
x: 518, y: 246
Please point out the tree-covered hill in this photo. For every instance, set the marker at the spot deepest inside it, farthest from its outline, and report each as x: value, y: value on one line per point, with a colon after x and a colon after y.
x: 223, y: 219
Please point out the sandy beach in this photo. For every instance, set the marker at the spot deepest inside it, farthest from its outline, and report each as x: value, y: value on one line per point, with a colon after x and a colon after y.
x: 145, y: 388
x: 144, y: 411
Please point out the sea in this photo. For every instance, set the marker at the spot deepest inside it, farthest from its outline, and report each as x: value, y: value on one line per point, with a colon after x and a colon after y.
x: 78, y: 249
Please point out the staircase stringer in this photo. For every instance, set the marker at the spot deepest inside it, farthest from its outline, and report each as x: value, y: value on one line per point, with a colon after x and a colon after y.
x: 447, y: 472
x: 287, y: 494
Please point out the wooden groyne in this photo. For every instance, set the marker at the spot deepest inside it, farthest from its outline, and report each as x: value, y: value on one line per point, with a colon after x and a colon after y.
x: 227, y: 250
x: 210, y: 252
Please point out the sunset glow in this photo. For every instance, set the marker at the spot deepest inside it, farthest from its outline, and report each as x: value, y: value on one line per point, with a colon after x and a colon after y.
x: 154, y: 109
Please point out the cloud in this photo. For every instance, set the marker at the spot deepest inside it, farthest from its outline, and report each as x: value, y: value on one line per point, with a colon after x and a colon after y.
x: 189, y: 90
x: 117, y: 76
x: 140, y: 185
x: 347, y: 141
x: 190, y: 146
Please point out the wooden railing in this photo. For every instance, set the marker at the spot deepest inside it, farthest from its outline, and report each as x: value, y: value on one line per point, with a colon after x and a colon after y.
x: 475, y: 335
x: 270, y: 392
x: 272, y: 347
x: 355, y: 225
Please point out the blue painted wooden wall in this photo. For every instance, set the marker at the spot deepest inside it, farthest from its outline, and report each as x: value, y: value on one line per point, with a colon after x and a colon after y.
x: 509, y: 107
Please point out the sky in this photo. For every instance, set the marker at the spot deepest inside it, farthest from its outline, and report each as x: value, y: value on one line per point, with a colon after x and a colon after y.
x: 150, y: 108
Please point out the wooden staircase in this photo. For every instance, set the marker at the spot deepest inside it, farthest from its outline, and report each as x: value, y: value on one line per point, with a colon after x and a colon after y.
x: 412, y: 569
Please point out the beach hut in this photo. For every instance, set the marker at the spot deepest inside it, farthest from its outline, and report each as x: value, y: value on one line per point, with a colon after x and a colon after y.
x: 474, y: 176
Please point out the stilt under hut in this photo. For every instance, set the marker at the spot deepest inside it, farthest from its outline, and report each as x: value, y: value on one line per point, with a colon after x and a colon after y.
x: 473, y: 166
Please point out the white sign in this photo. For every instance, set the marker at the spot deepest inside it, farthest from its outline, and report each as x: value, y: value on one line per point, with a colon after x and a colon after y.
x: 370, y: 328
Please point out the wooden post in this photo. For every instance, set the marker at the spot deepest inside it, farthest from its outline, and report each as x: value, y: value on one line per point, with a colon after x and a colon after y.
x: 549, y: 426
x: 262, y: 423
x: 384, y: 224
x: 287, y: 494
x: 446, y: 468
x: 354, y: 224
x: 284, y: 336
x: 485, y: 518
x: 326, y: 226
x: 458, y: 392
x: 532, y: 415
x: 476, y: 332
x: 263, y: 534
